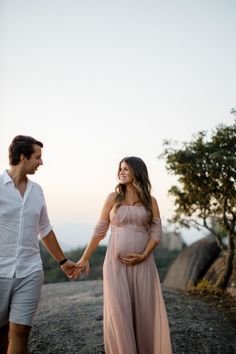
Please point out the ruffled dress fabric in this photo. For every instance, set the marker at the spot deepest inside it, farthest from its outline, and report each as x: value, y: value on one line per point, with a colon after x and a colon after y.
x: 135, y: 319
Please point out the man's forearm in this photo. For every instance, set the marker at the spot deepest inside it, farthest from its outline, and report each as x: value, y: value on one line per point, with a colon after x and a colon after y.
x: 52, y: 245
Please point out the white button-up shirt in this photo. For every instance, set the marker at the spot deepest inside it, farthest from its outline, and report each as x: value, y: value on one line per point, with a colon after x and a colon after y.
x: 21, y: 221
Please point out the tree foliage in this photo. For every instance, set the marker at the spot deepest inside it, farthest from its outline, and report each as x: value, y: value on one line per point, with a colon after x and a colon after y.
x: 205, y: 194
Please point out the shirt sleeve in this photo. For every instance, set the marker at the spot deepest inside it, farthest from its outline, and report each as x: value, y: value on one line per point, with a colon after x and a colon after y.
x: 44, y: 225
x: 156, y: 230
x: 101, y: 228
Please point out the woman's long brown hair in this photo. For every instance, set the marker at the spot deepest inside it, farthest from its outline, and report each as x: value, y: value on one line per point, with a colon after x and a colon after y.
x: 141, y: 183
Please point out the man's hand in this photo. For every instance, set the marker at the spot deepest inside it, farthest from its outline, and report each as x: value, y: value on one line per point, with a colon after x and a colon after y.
x: 132, y: 259
x: 69, y: 268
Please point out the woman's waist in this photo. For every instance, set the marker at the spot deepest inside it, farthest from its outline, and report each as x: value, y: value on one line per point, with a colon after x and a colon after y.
x: 133, y: 227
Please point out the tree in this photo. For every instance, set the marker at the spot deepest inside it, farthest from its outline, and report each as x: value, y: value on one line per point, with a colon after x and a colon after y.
x: 205, y: 195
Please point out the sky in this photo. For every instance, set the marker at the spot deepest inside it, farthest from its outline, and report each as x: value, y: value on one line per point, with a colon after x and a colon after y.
x: 99, y: 80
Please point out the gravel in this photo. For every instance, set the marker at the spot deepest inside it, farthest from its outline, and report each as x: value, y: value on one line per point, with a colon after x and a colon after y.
x: 69, y: 320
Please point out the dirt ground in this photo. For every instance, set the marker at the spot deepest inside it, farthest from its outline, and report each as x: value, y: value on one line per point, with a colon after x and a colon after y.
x: 69, y: 321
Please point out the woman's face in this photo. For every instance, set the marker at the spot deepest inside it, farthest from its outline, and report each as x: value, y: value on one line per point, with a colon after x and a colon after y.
x: 125, y: 175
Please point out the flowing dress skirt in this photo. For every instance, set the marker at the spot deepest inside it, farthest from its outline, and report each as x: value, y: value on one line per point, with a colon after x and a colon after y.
x: 135, y: 319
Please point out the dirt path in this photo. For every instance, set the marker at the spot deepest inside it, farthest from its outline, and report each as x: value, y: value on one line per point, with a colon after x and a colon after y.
x: 69, y: 321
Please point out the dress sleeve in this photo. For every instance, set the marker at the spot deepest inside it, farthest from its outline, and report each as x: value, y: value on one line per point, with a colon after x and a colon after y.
x: 101, y: 228
x: 155, y: 230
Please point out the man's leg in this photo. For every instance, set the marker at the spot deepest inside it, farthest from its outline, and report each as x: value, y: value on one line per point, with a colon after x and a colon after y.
x: 24, y: 303
x: 6, y: 285
x: 18, y: 338
x: 4, y: 339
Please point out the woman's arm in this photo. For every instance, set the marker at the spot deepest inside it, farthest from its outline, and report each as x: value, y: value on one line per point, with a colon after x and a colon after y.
x: 98, y: 234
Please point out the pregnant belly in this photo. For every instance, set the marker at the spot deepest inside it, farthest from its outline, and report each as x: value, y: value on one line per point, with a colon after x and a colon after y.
x: 129, y: 241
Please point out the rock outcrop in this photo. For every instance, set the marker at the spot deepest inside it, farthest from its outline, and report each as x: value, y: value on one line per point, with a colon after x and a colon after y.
x: 192, y: 263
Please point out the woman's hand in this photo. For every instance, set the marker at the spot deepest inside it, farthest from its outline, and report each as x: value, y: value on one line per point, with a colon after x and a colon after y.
x: 81, y: 266
x: 132, y: 259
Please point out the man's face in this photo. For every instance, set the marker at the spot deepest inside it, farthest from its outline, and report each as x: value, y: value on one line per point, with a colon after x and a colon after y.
x: 31, y: 165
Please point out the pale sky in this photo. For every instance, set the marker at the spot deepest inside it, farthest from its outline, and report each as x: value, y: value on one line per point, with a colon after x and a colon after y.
x: 98, y: 80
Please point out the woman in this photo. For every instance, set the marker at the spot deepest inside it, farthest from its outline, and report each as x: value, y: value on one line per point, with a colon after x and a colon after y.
x: 135, y: 320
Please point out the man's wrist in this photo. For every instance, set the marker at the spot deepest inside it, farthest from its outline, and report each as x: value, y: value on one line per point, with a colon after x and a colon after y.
x: 62, y: 261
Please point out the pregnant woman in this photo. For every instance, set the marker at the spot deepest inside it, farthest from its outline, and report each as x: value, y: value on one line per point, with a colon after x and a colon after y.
x: 135, y: 320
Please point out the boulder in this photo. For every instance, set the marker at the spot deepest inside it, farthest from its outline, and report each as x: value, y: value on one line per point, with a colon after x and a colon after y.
x: 215, y: 270
x: 192, y: 264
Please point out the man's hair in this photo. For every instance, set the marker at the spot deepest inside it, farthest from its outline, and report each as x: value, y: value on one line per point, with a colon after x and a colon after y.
x: 22, y: 144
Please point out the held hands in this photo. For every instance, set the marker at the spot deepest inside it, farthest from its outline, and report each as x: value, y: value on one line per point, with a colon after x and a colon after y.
x: 80, y: 267
x: 74, y: 270
x: 132, y: 259
x: 69, y: 268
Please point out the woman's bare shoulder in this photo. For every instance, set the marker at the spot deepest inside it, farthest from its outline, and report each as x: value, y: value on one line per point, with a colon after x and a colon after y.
x: 107, y: 206
x: 155, y: 208
x: 110, y: 199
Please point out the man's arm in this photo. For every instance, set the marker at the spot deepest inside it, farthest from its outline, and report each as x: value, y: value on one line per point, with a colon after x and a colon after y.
x: 52, y: 245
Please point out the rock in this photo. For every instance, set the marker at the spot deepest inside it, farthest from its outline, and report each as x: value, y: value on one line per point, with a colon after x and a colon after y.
x: 215, y: 270
x: 192, y: 264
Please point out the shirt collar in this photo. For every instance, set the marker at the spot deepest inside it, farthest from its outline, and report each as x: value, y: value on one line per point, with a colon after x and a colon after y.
x: 6, y: 178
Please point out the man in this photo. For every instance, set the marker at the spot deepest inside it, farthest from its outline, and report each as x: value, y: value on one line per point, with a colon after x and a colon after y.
x: 23, y: 216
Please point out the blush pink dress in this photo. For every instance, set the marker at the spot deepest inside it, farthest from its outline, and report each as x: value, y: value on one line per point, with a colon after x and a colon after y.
x: 135, y: 319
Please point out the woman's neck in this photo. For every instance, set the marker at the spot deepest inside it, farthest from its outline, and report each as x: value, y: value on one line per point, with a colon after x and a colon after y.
x: 131, y: 195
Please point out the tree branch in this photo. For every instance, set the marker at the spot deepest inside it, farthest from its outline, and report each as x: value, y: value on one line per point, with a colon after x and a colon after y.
x: 217, y: 236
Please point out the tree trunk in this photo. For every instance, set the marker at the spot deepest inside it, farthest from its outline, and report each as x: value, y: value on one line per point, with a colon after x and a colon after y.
x: 223, y: 280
